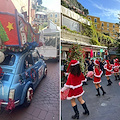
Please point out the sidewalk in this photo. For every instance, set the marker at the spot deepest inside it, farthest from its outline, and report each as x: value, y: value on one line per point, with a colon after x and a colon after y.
x: 105, y: 107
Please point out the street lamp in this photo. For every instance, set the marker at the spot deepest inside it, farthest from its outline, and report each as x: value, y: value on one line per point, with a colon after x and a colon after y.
x: 108, y: 47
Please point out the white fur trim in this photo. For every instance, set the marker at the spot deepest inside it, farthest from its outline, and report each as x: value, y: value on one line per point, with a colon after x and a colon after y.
x: 98, y: 75
x: 75, y: 63
x: 73, y: 87
x: 97, y: 82
x: 116, y: 67
x: 69, y: 98
x: 115, y: 72
x: 108, y: 75
x: 84, y: 80
x: 109, y: 70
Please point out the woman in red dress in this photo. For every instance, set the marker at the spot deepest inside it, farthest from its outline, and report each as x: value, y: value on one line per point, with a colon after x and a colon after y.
x: 97, y: 78
x: 108, y: 68
x: 74, y: 83
x: 116, y: 68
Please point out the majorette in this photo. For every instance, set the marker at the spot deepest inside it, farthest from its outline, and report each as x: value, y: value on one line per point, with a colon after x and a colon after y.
x: 97, y: 77
x: 97, y: 73
x: 116, y: 68
x: 74, y: 83
x: 108, y: 68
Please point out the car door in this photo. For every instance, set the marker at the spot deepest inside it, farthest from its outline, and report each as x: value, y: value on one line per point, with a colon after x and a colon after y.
x: 31, y: 69
x: 38, y: 64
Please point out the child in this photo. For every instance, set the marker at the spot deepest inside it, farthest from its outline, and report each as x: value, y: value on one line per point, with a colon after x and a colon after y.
x: 116, y: 69
x: 74, y: 83
x: 108, y: 68
x: 97, y: 77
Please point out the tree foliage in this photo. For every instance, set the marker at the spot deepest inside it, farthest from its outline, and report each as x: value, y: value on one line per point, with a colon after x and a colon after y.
x: 77, y: 53
x: 75, y: 6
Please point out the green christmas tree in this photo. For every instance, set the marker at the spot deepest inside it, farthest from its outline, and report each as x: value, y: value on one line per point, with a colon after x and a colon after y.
x: 77, y: 53
x: 29, y: 38
x: 3, y: 34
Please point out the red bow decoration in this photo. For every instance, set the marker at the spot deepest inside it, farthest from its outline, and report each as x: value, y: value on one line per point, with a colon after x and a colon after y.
x: 1, y: 102
x: 10, y: 105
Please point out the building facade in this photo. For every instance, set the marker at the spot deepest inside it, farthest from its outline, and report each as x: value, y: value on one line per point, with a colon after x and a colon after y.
x: 107, y: 28
x: 73, y: 21
x: 54, y: 17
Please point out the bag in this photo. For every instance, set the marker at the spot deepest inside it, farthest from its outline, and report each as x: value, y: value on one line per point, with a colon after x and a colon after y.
x: 90, y: 74
x: 64, y: 94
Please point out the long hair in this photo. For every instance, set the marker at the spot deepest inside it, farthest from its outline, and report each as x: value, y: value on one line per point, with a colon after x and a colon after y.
x: 75, y: 70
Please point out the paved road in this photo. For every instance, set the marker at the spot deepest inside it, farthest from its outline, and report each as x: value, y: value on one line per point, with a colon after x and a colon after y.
x: 101, y: 108
x: 45, y: 104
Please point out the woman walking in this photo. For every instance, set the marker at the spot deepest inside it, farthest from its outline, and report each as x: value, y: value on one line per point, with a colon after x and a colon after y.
x: 74, y: 83
x: 116, y: 69
x: 97, y: 77
x: 108, y: 73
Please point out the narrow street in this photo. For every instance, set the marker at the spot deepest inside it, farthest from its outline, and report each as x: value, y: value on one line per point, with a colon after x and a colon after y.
x: 45, y: 103
x: 105, y: 107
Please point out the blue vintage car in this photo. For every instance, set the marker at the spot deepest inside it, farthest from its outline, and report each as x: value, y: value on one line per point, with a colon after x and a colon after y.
x: 22, y: 73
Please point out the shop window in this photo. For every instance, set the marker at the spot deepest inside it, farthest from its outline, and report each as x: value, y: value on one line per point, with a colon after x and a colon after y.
x: 107, y: 24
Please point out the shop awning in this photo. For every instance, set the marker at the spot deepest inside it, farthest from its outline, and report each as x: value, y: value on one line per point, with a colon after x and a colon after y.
x: 86, y: 49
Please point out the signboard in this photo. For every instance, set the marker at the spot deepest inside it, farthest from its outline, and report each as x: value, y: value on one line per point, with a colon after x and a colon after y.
x: 15, y: 31
x: 101, y: 50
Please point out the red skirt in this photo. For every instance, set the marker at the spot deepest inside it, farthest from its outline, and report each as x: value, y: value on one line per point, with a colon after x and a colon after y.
x: 97, y: 80
x: 75, y: 93
x: 108, y: 73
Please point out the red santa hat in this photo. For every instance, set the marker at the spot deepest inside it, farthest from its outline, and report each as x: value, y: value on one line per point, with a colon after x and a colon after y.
x: 72, y: 63
x: 96, y: 62
x: 107, y: 61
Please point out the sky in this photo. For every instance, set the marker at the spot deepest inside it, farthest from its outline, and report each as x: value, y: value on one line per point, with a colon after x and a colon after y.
x: 52, y: 4
x: 107, y: 10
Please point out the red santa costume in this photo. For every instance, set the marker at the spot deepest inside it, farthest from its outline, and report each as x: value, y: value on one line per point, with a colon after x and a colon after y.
x: 116, y: 69
x: 108, y: 68
x: 116, y: 66
x: 74, y: 83
x: 97, y: 73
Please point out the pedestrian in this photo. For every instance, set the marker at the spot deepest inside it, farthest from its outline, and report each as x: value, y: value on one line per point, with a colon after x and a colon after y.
x: 74, y: 83
x: 116, y: 69
x: 108, y: 73
x: 97, y: 77
x: 101, y: 64
x: 90, y: 68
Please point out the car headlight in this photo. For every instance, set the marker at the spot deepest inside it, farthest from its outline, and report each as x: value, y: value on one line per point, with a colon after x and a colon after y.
x: 11, y: 94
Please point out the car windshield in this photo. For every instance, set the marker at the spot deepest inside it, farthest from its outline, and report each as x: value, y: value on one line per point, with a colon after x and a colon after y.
x: 9, y: 60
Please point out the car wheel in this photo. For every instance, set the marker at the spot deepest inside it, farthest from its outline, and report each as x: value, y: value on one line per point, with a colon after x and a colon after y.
x: 45, y: 73
x: 28, y: 97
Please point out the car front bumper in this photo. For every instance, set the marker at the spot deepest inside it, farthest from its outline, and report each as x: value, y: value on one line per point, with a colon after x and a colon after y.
x: 4, y: 104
